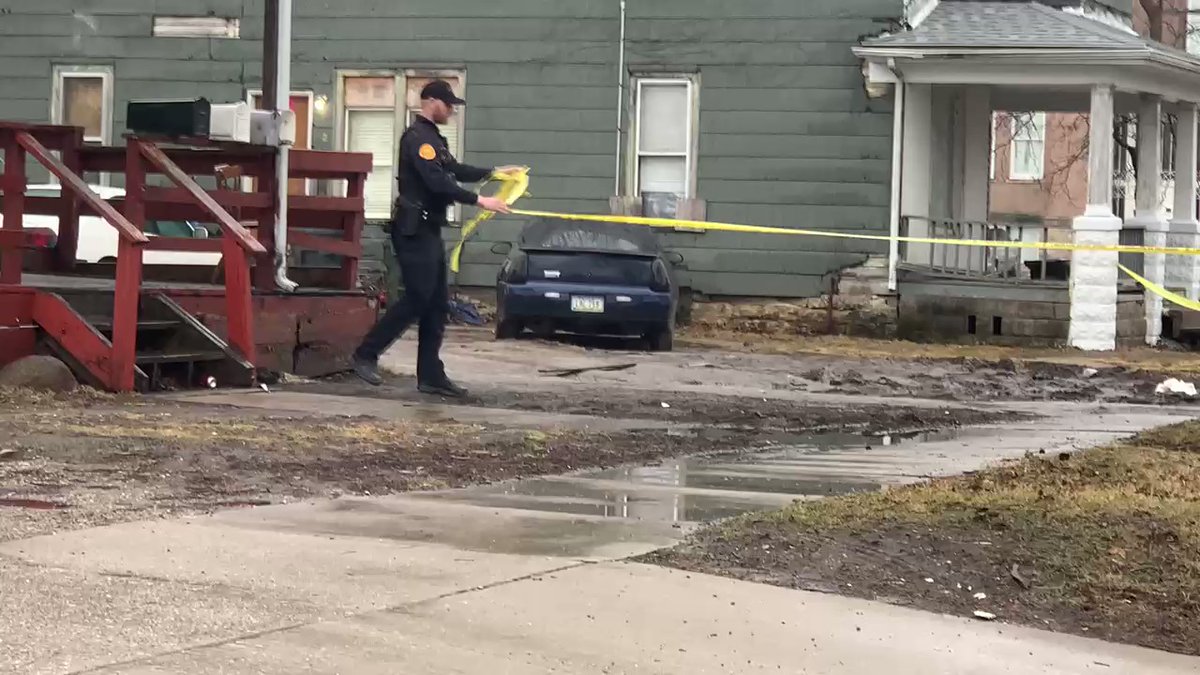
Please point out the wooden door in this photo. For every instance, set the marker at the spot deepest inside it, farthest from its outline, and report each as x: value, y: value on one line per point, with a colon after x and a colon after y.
x: 301, y: 106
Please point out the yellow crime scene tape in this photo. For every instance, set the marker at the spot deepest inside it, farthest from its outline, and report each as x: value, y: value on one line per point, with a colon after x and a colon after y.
x: 513, y: 186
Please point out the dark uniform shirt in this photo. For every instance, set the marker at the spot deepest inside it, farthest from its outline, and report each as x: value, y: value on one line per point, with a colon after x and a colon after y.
x: 429, y: 179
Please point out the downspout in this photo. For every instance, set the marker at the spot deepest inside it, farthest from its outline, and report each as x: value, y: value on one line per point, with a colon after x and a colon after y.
x: 620, y: 105
x: 897, y: 169
x: 283, y: 91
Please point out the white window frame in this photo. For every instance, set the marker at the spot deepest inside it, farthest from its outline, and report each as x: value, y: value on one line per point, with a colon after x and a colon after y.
x: 311, y: 96
x: 992, y: 157
x: 690, y: 151
x: 1015, y: 142
x: 63, y: 72
x: 105, y: 73
x: 401, y: 111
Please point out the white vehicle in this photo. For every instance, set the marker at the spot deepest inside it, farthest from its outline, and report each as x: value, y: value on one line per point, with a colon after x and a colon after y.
x: 98, y: 239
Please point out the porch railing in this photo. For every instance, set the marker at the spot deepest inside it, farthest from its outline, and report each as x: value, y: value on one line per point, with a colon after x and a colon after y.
x: 998, y: 263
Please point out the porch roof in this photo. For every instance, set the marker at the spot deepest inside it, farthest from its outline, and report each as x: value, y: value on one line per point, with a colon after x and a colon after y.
x: 1028, y: 44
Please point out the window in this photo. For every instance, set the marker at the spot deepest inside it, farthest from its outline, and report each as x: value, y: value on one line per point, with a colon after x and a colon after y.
x: 664, y: 161
x: 1028, y: 146
x: 196, y: 27
x: 82, y: 97
x: 375, y: 107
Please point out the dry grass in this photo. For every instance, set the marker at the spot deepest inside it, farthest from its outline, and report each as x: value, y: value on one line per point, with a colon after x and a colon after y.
x: 18, y: 398
x: 867, y: 348
x: 1109, y: 541
x: 262, y: 433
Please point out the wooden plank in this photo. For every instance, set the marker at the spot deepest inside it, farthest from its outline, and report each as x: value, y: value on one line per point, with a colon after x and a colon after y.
x: 74, y: 334
x: 181, y: 244
x: 351, y: 204
x: 194, y: 161
x: 72, y: 181
x: 232, y: 229
x: 11, y: 258
x: 349, y: 249
x: 227, y: 199
x: 67, y: 246
x: 353, y: 232
x: 264, y: 272
x: 128, y: 282
x: 238, y: 310
x: 324, y: 164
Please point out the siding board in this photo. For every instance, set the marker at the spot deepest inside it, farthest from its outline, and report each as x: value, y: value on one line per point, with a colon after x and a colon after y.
x: 787, y: 134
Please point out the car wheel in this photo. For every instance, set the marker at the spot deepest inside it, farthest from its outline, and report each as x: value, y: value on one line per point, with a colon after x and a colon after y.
x: 507, y: 329
x: 661, y: 339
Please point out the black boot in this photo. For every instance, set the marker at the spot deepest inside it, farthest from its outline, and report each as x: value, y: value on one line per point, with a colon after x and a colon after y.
x: 367, y: 371
x: 442, y: 387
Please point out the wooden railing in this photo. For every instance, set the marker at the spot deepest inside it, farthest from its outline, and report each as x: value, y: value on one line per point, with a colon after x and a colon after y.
x: 246, y: 256
x: 979, y: 262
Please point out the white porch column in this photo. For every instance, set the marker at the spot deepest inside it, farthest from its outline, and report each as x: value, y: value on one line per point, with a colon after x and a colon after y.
x: 1183, y: 271
x: 975, y: 172
x: 1149, y: 215
x: 917, y: 171
x: 1094, y: 273
x: 977, y: 153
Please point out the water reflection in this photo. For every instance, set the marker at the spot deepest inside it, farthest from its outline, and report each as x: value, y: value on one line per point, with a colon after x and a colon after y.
x: 699, y: 489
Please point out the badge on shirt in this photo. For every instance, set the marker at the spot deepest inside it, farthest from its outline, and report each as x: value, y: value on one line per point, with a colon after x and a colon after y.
x: 427, y: 153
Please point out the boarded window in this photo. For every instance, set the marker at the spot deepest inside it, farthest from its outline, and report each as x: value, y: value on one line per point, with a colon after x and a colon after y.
x: 83, y: 98
x: 664, y: 113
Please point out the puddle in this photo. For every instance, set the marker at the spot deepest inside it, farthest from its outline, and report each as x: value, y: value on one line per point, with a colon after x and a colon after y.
x: 701, y: 489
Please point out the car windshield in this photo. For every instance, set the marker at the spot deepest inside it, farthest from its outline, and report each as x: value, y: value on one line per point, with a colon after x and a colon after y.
x: 611, y: 269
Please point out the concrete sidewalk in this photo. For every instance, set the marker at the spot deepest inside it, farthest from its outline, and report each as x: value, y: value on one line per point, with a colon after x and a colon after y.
x: 517, y: 578
x: 222, y: 596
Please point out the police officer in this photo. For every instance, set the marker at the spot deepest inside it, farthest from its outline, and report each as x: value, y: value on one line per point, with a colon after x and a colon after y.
x: 429, y: 183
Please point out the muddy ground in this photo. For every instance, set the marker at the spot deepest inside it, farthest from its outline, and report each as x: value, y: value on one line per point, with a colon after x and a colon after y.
x: 88, y: 459
x: 791, y: 368
x: 1103, y: 544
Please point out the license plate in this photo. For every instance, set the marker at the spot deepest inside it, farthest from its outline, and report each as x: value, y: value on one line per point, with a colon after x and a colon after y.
x: 587, y: 304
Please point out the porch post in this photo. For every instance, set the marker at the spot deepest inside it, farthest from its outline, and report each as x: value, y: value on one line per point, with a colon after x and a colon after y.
x: 977, y: 130
x: 1183, y: 271
x: 977, y: 153
x: 917, y: 170
x: 1094, y: 273
x: 1149, y: 216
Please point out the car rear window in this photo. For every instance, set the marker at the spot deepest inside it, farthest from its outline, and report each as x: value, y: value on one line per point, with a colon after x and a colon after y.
x: 596, y: 268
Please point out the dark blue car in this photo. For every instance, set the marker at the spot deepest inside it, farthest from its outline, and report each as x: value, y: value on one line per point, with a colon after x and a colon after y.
x: 587, y: 278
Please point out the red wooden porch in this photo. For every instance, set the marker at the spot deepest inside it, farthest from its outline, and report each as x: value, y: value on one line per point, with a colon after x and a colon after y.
x: 118, y: 330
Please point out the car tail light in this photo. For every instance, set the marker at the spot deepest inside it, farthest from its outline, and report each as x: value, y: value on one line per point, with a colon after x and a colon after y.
x: 40, y: 237
x: 660, y: 280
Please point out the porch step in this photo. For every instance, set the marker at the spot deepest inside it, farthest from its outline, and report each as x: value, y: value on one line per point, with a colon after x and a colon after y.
x: 104, y: 324
x: 173, y: 349
x: 159, y: 358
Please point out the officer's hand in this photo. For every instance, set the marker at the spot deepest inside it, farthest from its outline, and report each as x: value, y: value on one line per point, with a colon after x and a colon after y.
x: 493, y: 204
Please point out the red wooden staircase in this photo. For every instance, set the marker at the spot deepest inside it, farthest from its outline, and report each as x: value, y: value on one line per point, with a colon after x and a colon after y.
x: 122, y: 334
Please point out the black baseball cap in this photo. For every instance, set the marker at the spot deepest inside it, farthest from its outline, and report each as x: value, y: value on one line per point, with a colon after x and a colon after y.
x: 440, y: 90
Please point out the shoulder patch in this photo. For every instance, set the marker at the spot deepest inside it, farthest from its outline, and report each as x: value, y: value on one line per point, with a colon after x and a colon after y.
x: 426, y: 152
